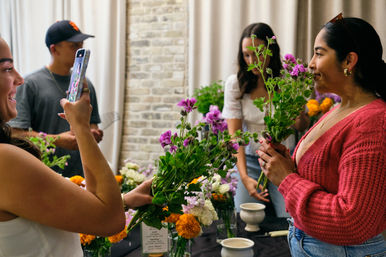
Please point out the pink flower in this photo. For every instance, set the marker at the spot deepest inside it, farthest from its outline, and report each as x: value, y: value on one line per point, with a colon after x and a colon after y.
x: 290, y: 57
x: 187, y: 104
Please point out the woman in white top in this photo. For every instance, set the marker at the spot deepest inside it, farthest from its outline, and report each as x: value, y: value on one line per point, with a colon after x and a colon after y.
x: 40, y: 211
x: 241, y: 113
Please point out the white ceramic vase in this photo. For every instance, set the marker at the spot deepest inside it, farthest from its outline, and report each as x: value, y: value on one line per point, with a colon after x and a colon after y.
x: 237, y: 247
x: 252, y: 214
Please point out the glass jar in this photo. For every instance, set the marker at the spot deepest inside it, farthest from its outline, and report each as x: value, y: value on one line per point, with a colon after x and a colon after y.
x: 226, y: 225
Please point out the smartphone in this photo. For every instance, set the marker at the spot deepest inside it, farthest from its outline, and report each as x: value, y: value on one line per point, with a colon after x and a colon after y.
x: 78, y: 74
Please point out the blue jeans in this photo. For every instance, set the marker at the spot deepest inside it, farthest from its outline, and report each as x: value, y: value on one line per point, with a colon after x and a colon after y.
x: 303, y: 245
x: 242, y: 195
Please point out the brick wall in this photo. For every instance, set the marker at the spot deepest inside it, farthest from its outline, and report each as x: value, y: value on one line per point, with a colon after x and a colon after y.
x: 156, y: 75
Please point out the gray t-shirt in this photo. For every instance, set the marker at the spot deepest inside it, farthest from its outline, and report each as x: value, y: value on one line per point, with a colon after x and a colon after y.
x: 38, y: 105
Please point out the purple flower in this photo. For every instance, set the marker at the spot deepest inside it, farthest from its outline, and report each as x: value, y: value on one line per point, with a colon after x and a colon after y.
x: 165, y: 138
x: 286, y: 66
x: 298, y: 68
x: 319, y: 97
x: 235, y: 146
x: 173, y: 149
x: 187, y: 104
x: 290, y: 57
x: 214, y: 119
x: 186, y: 142
x: 273, y: 37
x: 294, y: 72
x: 301, y: 68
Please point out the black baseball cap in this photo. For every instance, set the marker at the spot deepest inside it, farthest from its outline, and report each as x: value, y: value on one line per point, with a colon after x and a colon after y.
x: 64, y: 30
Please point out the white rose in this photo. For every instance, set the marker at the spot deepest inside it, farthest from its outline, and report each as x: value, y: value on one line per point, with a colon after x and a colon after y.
x: 131, y: 165
x: 215, y: 186
x: 223, y: 188
x: 216, y: 178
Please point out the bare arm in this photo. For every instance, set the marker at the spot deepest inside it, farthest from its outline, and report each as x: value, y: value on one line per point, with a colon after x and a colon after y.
x: 34, y: 192
x: 249, y: 183
x: 64, y: 140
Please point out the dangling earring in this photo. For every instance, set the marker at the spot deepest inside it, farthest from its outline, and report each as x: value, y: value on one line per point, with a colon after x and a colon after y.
x: 347, y: 72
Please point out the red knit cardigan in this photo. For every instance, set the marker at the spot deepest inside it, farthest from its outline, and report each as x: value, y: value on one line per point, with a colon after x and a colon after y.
x: 338, y: 194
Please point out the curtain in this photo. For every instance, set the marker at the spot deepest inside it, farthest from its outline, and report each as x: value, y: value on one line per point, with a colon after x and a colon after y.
x: 215, y: 27
x: 23, y: 24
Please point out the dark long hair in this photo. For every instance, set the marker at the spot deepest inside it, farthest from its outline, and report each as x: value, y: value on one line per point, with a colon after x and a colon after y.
x: 356, y: 35
x: 247, y: 80
x: 6, y: 137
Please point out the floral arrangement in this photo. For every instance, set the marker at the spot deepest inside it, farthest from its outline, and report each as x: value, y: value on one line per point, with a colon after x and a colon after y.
x: 131, y: 175
x: 47, y: 149
x: 180, y: 187
x: 198, y: 212
x: 96, y: 246
x: 223, y: 192
x: 320, y: 105
x: 206, y: 96
x: 287, y: 94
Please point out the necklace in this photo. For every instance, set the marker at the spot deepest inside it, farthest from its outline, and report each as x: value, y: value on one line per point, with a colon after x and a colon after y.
x: 56, y: 83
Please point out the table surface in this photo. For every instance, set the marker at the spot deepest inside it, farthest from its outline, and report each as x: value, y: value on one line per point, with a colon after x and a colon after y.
x: 206, y: 245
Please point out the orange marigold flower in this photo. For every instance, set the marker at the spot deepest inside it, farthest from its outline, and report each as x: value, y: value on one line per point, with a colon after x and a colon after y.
x: 119, y: 236
x: 326, y: 104
x: 77, y: 180
x: 172, y: 218
x: 313, y: 107
x: 187, y: 226
x: 86, y: 239
x: 194, y: 181
x: 219, y: 197
x: 119, y: 179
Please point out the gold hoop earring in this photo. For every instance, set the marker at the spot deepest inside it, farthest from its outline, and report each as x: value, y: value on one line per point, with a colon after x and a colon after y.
x: 347, y: 72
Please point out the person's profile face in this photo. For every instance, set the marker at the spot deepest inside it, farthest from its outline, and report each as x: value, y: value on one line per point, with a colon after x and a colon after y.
x: 328, y: 72
x: 67, y: 51
x: 249, y: 56
x: 9, y: 80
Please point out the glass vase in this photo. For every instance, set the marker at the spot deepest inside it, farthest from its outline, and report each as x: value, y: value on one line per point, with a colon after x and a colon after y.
x: 178, y: 246
x: 226, y: 225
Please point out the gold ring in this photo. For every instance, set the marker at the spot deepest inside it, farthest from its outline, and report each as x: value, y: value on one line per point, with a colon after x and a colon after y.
x: 85, y: 90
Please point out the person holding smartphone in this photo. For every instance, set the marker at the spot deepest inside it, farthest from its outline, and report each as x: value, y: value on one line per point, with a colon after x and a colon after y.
x: 38, y: 98
x: 41, y: 213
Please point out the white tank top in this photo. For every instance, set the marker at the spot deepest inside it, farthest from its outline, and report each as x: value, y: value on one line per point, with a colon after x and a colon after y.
x: 24, y: 238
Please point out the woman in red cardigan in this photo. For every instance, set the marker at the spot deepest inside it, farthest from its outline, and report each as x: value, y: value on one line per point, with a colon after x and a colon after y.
x: 334, y: 185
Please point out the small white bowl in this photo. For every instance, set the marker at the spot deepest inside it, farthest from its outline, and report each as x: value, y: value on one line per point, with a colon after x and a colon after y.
x: 237, y: 247
x: 252, y: 214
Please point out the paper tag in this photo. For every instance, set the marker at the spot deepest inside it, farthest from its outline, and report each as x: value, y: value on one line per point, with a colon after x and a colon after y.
x: 154, y: 240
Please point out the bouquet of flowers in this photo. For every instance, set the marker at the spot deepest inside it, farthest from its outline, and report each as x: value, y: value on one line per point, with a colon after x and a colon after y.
x: 47, y: 149
x: 320, y: 105
x: 188, y: 157
x: 223, y: 192
x: 287, y: 94
x: 131, y: 175
x: 196, y: 213
x: 96, y: 246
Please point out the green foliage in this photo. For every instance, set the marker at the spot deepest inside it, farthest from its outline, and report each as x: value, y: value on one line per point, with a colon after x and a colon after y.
x: 212, y: 94
x: 47, y: 149
x: 190, y: 155
x: 100, y: 246
x: 287, y: 95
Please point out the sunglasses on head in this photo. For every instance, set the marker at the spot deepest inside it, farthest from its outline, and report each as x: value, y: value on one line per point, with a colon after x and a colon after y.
x: 337, y: 18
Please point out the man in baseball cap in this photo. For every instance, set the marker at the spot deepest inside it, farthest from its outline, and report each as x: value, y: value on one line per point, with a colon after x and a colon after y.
x: 38, y: 98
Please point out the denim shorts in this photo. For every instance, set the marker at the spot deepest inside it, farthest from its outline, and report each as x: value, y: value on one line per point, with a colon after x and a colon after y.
x: 303, y: 245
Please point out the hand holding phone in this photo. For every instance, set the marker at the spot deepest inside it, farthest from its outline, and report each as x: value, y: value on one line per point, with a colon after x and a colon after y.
x: 78, y: 73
